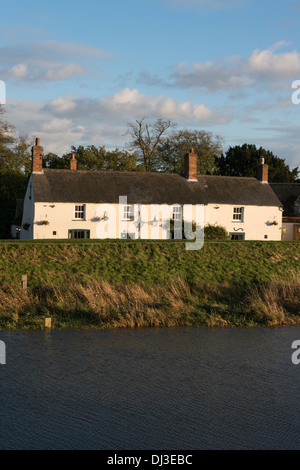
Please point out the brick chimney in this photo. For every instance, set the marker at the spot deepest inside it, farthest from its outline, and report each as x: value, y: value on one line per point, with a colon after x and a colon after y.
x: 37, y: 157
x: 190, y: 166
x: 263, y: 171
x: 73, y: 163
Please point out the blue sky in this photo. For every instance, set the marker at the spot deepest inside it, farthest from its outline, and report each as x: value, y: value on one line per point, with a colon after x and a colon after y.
x: 77, y: 72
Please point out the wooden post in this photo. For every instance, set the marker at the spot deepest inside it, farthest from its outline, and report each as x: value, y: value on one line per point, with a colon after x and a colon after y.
x: 47, y: 322
x: 24, y: 281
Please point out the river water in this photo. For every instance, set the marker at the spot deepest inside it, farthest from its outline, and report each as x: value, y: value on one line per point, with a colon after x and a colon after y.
x: 176, y: 389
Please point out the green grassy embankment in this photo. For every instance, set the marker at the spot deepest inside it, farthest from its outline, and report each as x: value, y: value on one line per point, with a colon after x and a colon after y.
x: 144, y: 284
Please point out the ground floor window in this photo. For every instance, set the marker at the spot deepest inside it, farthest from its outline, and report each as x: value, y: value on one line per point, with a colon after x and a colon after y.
x: 237, y: 236
x: 79, y: 234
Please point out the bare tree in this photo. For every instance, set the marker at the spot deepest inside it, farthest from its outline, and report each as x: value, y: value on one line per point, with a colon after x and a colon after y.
x: 146, y: 138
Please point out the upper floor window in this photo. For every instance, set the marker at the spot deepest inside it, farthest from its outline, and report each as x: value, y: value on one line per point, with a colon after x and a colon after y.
x: 177, y: 213
x: 238, y: 214
x: 79, y: 212
x: 128, y: 212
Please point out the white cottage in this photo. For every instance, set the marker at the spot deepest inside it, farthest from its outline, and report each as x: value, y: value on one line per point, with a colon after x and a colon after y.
x: 62, y: 204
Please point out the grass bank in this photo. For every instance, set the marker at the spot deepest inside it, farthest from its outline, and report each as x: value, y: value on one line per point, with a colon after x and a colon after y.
x: 145, y: 284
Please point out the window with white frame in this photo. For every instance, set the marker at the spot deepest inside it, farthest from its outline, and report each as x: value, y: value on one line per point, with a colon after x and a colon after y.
x: 238, y: 214
x: 177, y: 210
x: 127, y: 212
x: 79, y: 212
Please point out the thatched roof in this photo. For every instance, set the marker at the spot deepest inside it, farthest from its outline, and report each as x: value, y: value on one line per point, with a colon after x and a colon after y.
x: 148, y: 188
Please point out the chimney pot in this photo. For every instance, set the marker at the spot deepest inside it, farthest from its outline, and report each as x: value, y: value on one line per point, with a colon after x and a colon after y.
x: 37, y: 141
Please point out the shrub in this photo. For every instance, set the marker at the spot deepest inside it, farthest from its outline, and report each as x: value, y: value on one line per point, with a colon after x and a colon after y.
x: 215, y: 232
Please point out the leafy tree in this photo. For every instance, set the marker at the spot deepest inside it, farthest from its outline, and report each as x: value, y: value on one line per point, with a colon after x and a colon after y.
x: 146, y: 139
x: 173, y: 148
x: 15, y: 156
x: 21, y: 161
x: 121, y: 160
x: 15, y: 166
x: 89, y: 158
x: 7, y: 138
x: 93, y: 158
x: 51, y: 160
x: 12, y: 187
x: 244, y: 161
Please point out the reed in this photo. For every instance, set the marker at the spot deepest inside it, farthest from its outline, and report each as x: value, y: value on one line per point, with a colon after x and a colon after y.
x: 103, y: 304
x: 278, y: 303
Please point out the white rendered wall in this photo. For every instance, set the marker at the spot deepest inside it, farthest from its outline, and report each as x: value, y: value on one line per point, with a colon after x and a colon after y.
x: 257, y: 220
x: 151, y: 222
x: 105, y: 220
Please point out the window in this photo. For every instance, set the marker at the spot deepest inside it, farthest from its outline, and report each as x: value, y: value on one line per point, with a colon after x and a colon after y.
x: 237, y: 236
x: 79, y: 212
x: 128, y: 213
x: 238, y: 214
x: 79, y: 234
x: 177, y: 213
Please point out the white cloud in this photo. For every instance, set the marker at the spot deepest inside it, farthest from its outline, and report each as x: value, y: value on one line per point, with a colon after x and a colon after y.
x: 212, y: 76
x: 263, y: 67
x: 267, y: 64
x: 49, y: 52
x: 73, y: 119
x: 131, y: 102
x: 48, y: 60
x: 56, y: 125
x: 61, y: 105
x: 19, y: 71
x: 126, y: 104
x: 63, y: 73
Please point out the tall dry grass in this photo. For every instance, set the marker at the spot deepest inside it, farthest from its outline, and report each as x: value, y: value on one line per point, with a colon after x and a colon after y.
x: 279, y: 303
x: 135, y: 305
x: 91, y: 303
x: 111, y: 305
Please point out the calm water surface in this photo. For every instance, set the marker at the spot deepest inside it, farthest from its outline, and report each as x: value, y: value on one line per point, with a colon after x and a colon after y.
x: 163, y: 389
